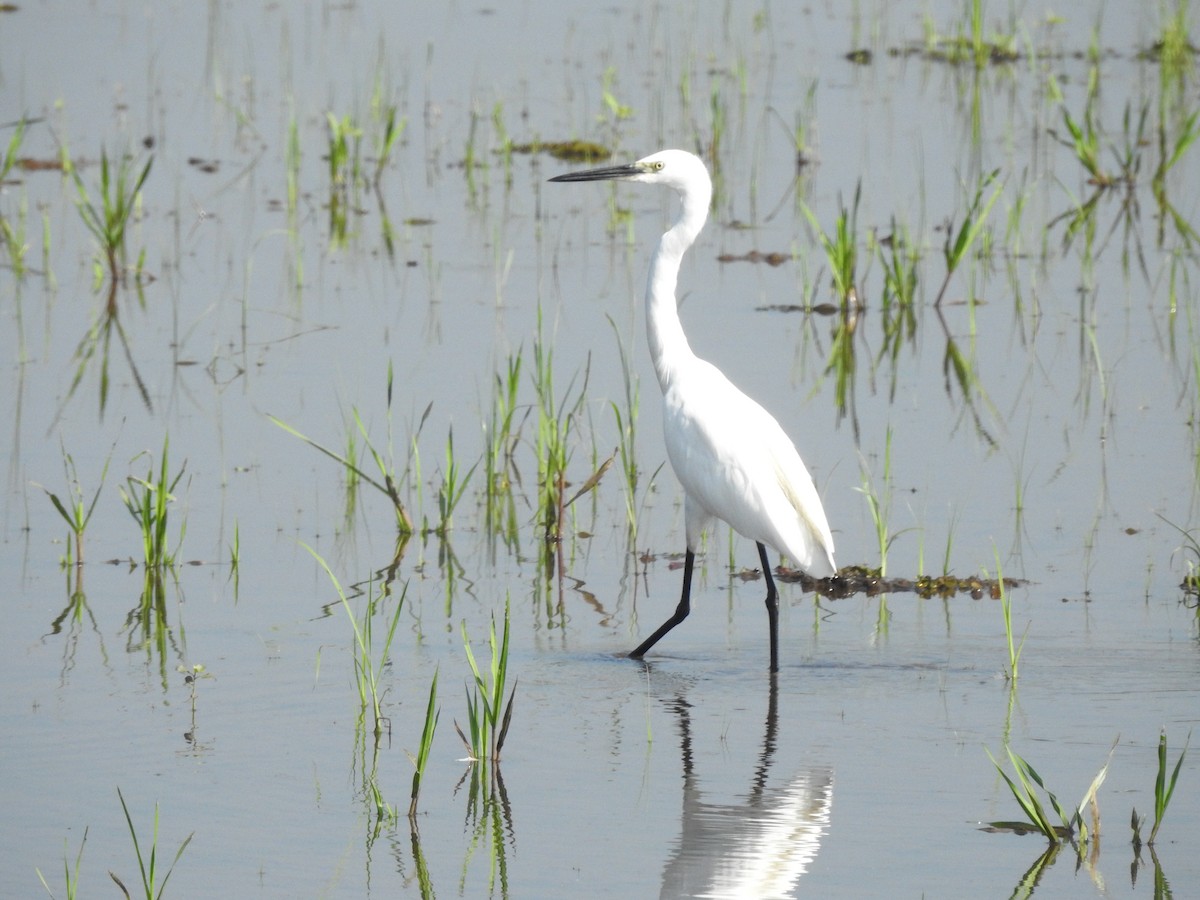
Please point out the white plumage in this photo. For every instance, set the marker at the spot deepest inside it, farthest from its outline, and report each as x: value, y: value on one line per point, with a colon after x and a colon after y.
x: 733, y: 459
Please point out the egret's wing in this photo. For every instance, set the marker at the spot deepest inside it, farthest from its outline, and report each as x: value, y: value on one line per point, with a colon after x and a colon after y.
x: 736, y: 463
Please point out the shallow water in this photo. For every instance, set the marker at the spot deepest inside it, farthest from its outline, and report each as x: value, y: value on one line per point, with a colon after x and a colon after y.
x: 1064, y: 457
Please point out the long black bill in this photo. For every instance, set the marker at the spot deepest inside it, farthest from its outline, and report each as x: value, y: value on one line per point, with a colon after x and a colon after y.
x: 603, y: 174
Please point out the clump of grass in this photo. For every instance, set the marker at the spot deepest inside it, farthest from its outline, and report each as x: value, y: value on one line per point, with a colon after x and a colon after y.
x: 149, y: 872
x: 1171, y: 151
x: 1174, y: 49
x: 1164, y: 787
x: 968, y: 45
x: 108, y: 217
x: 369, y: 661
x: 488, y: 716
x: 958, y: 243
x: 453, y: 486
x: 1191, y: 550
x: 841, y: 248
x: 899, y: 256
x: 898, y: 307
x: 555, y: 423
x: 70, y: 876
x: 1084, y: 134
x: 432, y: 714
x: 1071, y: 826
x: 627, y: 433
x: 344, y: 156
x: 149, y: 502
x: 389, y: 479
x: 499, y: 469
x: 76, y: 512
x: 14, y: 236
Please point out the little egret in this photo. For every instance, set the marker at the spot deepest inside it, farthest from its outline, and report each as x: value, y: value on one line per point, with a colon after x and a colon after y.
x: 733, y: 459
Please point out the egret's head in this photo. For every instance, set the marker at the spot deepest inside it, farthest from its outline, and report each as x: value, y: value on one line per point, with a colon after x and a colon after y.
x: 675, y: 168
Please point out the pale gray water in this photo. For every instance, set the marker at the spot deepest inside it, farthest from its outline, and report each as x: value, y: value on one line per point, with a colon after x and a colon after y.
x: 871, y: 777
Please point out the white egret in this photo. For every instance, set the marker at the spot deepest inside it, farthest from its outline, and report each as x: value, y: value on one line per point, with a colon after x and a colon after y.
x: 733, y: 459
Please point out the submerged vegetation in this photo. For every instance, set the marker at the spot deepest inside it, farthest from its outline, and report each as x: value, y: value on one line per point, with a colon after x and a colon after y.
x: 108, y: 217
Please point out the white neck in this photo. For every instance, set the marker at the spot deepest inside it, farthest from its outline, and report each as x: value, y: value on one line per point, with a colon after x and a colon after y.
x: 669, y: 348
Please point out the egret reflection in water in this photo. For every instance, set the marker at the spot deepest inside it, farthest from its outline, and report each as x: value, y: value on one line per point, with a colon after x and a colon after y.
x: 758, y: 847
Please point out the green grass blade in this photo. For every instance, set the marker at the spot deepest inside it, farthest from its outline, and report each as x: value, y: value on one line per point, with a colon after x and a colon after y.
x: 1163, y: 789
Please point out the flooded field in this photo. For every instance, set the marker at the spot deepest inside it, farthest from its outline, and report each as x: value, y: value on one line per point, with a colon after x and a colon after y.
x: 334, y: 432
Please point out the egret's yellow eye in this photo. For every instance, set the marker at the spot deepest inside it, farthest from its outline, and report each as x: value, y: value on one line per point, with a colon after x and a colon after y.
x: 658, y: 166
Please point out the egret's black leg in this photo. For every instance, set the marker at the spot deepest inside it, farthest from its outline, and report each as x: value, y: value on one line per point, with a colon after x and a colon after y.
x: 681, y: 611
x: 772, y: 607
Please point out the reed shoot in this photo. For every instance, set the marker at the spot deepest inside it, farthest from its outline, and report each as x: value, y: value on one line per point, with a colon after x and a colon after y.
x: 70, y: 876
x: 369, y: 661
x: 108, y: 218
x: 487, y: 724
x: 149, y: 868
x: 432, y: 714
x: 1164, y: 787
x: 149, y: 503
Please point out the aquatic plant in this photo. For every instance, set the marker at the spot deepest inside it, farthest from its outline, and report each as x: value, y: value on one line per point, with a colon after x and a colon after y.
x: 487, y: 725
x: 1174, y: 49
x: 392, y: 129
x: 389, y: 478
x: 108, y: 218
x: 841, y: 248
x: 453, y: 486
x: 191, y: 677
x: 627, y: 431
x: 14, y: 236
x: 369, y: 660
x: 967, y: 44
x: 1171, y: 150
x: 148, y: 501
x: 504, y: 142
x: 1190, y: 547
x: 614, y: 111
x: 419, y: 761
x: 555, y: 423
x: 344, y: 156
x: 1164, y: 787
x: 1084, y: 134
x: 235, y: 553
x: 1014, y: 649
x: 70, y: 876
x: 149, y: 872
x: 500, y: 442
x: 880, y: 503
x: 385, y: 813
x: 470, y: 162
x: 291, y: 167
x: 75, y: 512
x: 9, y: 160
x: 1072, y: 825
x: 899, y: 256
x: 958, y: 243
x: 12, y: 231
